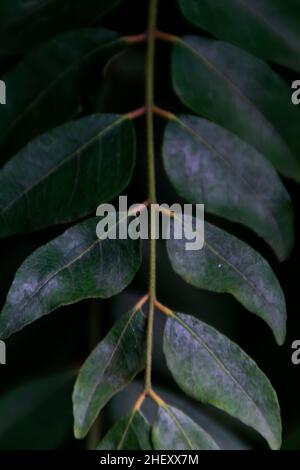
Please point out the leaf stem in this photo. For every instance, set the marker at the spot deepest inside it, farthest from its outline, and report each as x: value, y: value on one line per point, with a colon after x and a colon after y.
x: 136, y: 113
x: 163, y: 113
x: 166, y: 36
x: 167, y: 311
x: 141, y: 302
x: 150, y: 64
x: 139, y: 402
x: 136, y: 38
x: 156, y: 398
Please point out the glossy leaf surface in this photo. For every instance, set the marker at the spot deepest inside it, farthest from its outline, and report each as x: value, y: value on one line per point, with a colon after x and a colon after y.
x: 209, y: 165
x: 174, y: 430
x: 67, y: 172
x: 211, y: 78
x: 109, y: 368
x: 130, y: 433
x: 211, y: 368
x: 267, y: 28
x: 226, y: 264
x: 74, y: 266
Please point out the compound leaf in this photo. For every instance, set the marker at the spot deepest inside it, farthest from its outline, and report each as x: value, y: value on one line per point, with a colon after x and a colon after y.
x: 23, y: 409
x: 110, y: 367
x: 209, y: 165
x: 211, y: 368
x: 208, y: 78
x: 174, y: 430
x: 74, y: 266
x: 226, y: 264
x: 267, y: 28
x: 46, y: 87
x: 130, y: 433
x: 67, y: 172
x: 23, y: 24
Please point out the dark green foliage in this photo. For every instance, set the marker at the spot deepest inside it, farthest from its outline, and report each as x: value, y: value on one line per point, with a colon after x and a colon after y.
x: 131, y: 433
x: 66, y: 148
x: 110, y: 367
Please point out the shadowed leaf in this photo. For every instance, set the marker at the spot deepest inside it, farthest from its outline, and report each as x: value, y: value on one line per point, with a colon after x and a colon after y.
x: 267, y: 28
x: 67, y: 172
x: 110, y: 367
x: 46, y: 87
x: 24, y: 23
x: 130, y: 433
x: 37, y: 415
x: 208, y: 78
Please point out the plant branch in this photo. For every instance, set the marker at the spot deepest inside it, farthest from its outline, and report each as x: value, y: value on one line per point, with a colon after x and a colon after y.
x: 157, y: 399
x: 136, y: 113
x: 141, y: 302
x: 166, y: 37
x: 167, y: 311
x: 150, y: 64
x: 136, y: 39
x: 163, y: 113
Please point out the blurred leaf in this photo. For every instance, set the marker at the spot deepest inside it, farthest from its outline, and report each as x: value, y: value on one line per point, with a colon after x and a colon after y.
x: 209, y: 165
x: 130, y: 433
x: 173, y: 430
x: 111, y: 366
x: 67, y: 172
x: 38, y: 414
x: 212, y: 369
x: 292, y: 440
x: 216, y: 87
x: 226, y: 264
x: 74, y: 266
x: 46, y: 88
x: 267, y: 28
x: 25, y: 23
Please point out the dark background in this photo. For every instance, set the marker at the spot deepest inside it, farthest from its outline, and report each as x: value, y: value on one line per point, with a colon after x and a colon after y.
x: 37, y: 417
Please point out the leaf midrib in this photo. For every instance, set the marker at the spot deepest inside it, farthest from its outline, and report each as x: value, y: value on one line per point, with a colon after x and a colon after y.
x: 221, y: 364
x: 167, y: 409
x: 109, y: 362
x: 264, y: 20
x: 228, y: 163
x: 62, y: 268
x: 63, y: 162
x: 53, y: 84
x: 253, y: 286
x: 200, y: 57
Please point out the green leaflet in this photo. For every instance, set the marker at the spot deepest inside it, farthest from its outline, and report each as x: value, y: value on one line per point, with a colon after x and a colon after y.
x: 74, y: 266
x: 173, y: 430
x: 67, y: 172
x: 211, y: 368
x: 212, y: 79
x: 46, y: 87
x: 226, y: 264
x: 209, y: 165
x: 267, y: 28
x: 23, y: 24
x: 110, y: 367
x: 23, y: 409
x: 130, y: 433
